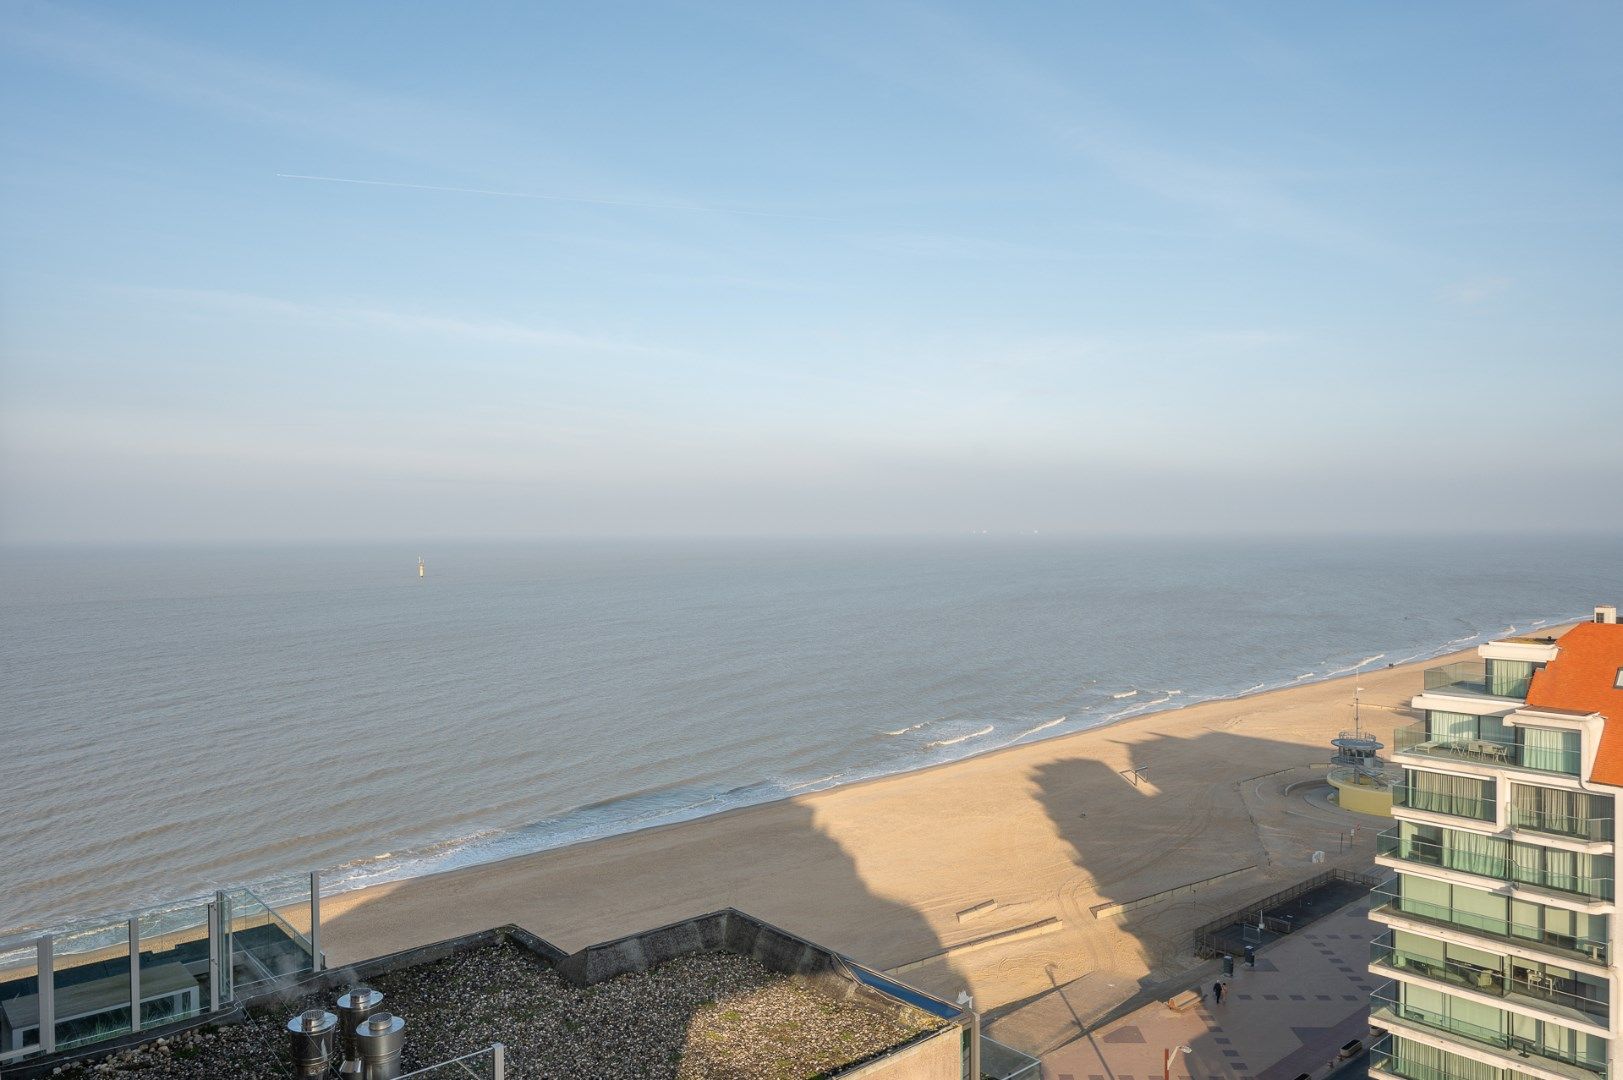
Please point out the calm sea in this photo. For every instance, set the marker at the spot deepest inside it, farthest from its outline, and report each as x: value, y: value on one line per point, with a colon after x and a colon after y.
x: 174, y: 719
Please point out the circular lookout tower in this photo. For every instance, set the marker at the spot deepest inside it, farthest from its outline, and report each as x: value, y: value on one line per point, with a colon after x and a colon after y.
x: 1357, y: 773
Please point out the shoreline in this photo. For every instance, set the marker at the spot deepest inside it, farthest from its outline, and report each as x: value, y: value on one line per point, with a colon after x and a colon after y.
x: 896, y: 871
x: 1448, y: 650
x: 1451, y: 649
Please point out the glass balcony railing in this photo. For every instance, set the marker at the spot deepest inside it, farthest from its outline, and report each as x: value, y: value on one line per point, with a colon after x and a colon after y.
x: 1506, y: 681
x: 1391, y: 1058
x: 1416, y: 739
x: 1385, y: 1000
x: 1382, y: 1056
x: 1491, y: 864
x: 1436, y: 802
x: 1545, y: 821
x: 1387, y: 899
x: 1520, y: 983
x: 1465, y: 676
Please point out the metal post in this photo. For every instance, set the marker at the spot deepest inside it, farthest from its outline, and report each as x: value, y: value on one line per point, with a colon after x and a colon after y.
x: 135, y: 974
x: 974, y: 1044
x: 214, y: 955
x: 317, y: 961
x: 498, y: 1054
x: 44, y: 965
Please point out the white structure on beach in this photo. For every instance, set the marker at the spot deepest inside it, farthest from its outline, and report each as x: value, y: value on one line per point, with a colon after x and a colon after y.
x: 1496, y: 945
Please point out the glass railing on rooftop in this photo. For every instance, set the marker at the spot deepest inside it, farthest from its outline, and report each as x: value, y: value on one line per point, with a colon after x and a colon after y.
x: 1388, y: 899
x: 1385, y: 999
x: 1467, y: 676
x: 1416, y: 739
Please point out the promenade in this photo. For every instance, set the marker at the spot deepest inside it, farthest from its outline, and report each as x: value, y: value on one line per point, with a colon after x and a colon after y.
x: 1307, y: 996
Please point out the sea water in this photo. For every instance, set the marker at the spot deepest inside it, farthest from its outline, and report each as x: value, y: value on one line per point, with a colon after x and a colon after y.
x: 172, y: 720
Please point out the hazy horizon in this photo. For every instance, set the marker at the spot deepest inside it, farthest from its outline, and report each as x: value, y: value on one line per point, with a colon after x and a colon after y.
x: 311, y: 275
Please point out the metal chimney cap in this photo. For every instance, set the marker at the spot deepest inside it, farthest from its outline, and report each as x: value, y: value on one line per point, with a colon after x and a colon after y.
x: 380, y: 1024
x: 313, y: 1021
x: 359, y: 997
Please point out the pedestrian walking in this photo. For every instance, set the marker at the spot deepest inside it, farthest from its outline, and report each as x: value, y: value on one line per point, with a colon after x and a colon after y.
x: 1217, y: 991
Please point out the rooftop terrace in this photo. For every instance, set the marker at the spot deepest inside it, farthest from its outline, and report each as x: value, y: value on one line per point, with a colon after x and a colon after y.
x: 706, y: 1016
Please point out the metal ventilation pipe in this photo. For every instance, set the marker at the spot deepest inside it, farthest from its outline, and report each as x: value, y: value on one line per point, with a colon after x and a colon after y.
x: 311, y: 1036
x: 380, y: 1039
x: 354, y: 1008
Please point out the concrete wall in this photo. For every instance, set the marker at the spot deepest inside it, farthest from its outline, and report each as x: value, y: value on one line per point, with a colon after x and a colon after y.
x: 1374, y: 799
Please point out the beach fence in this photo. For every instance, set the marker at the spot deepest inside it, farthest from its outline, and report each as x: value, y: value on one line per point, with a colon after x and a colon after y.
x: 86, y: 985
x: 1256, y: 923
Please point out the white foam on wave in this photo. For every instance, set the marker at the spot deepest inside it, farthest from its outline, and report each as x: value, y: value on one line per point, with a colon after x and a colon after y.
x: 905, y: 730
x: 1044, y: 726
x: 1365, y: 662
x: 987, y: 730
x: 1309, y: 675
x: 1124, y: 694
x: 814, y: 783
x: 1253, y: 689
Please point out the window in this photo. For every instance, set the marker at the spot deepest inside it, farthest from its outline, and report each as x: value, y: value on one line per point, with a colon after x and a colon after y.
x: 1618, y: 680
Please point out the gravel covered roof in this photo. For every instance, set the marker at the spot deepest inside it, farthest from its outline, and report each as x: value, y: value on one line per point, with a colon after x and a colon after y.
x: 706, y: 1016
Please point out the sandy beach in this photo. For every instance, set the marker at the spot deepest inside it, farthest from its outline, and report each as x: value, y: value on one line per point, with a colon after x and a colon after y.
x: 980, y: 874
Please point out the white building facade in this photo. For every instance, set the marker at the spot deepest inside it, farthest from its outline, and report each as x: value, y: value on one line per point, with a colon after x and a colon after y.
x: 1497, y: 946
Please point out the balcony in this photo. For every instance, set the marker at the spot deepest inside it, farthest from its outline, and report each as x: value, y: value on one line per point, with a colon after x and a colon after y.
x: 1583, y: 948
x: 1416, y: 739
x: 1470, y: 677
x: 1435, y: 802
x: 1524, y: 986
x: 1556, y: 824
x: 1385, y: 1006
x: 1383, y: 1058
x: 1386, y: 1057
x: 1498, y: 867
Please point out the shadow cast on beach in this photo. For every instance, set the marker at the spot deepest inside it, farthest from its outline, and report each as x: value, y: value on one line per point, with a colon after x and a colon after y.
x: 1197, y: 853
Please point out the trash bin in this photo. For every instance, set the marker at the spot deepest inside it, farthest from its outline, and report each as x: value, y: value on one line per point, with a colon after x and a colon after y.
x: 1250, y: 956
x: 1228, y: 964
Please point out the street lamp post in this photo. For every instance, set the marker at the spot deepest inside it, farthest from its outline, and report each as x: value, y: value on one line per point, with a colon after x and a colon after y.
x: 1166, y: 1060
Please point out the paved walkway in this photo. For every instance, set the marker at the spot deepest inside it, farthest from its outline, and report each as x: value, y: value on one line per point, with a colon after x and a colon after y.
x: 1307, y: 996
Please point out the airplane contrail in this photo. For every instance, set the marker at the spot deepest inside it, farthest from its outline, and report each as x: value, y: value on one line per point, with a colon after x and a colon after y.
x: 559, y: 198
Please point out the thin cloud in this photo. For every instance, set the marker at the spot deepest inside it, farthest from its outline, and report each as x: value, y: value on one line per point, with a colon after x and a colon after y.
x: 697, y: 207
x: 395, y: 321
x: 969, y: 68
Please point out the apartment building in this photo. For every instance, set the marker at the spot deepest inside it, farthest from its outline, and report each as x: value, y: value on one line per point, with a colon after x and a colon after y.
x: 1497, y: 921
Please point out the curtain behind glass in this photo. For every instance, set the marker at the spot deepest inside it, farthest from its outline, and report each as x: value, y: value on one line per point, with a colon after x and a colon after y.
x: 1550, y: 749
x: 1509, y: 678
x: 1445, y: 793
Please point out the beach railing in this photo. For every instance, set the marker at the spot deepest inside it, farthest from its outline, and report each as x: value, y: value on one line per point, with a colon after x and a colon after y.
x: 1256, y: 913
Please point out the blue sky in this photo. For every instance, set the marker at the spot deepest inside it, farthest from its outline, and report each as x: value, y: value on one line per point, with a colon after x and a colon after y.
x: 868, y: 268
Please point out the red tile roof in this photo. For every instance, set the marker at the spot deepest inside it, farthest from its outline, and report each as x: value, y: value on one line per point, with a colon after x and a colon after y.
x: 1583, y: 678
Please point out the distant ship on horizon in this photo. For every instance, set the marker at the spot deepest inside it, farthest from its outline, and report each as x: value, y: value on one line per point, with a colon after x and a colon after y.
x: 422, y: 571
